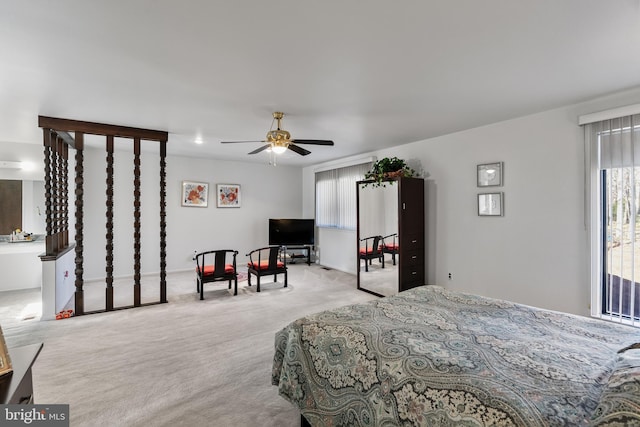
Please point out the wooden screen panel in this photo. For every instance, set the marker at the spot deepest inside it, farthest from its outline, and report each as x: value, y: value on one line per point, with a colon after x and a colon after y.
x: 163, y: 221
x: 10, y: 205
x: 109, y: 226
x: 136, y: 222
x: 79, y: 204
x: 56, y: 144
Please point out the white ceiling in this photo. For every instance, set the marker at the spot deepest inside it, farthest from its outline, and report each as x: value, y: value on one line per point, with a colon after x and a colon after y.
x: 367, y: 74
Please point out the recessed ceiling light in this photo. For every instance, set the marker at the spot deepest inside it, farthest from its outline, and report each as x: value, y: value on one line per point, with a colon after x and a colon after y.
x: 199, y: 141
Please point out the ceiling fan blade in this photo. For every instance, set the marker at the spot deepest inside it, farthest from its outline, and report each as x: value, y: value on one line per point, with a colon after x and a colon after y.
x: 234, y: 142
x: 257, y: 150
x: 312, y: 141
x: 299, y: 150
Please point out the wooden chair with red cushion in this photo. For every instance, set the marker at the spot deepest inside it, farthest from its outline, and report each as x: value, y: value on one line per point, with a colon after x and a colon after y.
x: 390, y: 246
x: 215, y: 266
x: 266, y: 261
x: 370, y: 251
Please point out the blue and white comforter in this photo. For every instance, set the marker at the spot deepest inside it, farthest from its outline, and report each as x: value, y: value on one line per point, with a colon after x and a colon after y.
x: 433, y: 357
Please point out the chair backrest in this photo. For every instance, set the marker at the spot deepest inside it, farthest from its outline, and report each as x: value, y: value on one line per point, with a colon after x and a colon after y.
x: 256, y: 257
x: 376, y: 243
x: 217, y: 259
x: 373, y: 248
x: 386, y: 239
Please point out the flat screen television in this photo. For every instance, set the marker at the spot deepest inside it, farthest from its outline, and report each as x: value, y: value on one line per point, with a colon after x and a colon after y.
x: 291, y: 232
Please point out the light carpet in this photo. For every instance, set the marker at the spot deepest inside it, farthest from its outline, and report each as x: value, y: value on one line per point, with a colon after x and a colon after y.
x: 185, y: 363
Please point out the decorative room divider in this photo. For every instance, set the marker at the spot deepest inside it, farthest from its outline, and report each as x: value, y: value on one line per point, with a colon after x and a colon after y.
x: 57, y: 142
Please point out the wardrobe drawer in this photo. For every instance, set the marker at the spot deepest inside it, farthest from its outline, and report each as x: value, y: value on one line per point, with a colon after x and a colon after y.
x: 412, y: 241
x: 413, y: 258
x: 412, y: 274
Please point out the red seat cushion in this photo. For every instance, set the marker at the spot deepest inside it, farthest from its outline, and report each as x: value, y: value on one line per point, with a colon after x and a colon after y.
x: 209, y: 269
x: 364, y: 251
x: 264, y: 265
x: 390, y: 247
x: 368, y: 251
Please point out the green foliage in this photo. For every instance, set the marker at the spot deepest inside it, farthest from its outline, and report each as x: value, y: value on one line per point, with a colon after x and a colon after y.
x: 387, y: 169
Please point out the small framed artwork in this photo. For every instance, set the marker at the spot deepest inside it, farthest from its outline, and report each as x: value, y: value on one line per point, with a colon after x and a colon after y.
x: 491, y: 204
x: 5, y: 361
x: 490, y: 174
x: 228, y: 196
x: 195, y: 194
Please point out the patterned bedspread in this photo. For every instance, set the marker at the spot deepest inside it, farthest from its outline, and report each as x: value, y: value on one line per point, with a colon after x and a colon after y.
x: 433, y: 357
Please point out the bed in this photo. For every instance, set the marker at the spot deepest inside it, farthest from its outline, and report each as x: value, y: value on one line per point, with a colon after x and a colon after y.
x: 433, y: 357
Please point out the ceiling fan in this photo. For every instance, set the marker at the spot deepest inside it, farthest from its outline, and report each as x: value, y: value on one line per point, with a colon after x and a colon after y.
x: 279, y: 140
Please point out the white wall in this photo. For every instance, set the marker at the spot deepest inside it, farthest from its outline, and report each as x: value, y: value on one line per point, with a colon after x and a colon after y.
x: 267, y: 192
x: 333, y: 248
x: 20, y: 265
x: 535, y: 254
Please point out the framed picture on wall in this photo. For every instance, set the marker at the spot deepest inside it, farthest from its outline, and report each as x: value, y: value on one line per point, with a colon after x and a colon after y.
x: 5, y: 361
x: 195, y: 194
x: 490, y: 174
x: 229, y: 196
x: 490, y: 204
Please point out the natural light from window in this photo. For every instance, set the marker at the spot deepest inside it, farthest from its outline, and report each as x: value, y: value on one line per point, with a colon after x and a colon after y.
x: 621, y: 258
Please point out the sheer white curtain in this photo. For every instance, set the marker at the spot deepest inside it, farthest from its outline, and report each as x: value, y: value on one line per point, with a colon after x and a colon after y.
x: 336, y: 196
x: 613, y: 152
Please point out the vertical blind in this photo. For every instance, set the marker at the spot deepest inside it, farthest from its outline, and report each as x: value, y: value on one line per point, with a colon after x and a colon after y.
x: 616, y: 143
x: 336, y: 196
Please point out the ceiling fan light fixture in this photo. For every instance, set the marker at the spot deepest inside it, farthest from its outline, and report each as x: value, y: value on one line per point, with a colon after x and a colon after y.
x: 278, y: 148
x: 278, y: 141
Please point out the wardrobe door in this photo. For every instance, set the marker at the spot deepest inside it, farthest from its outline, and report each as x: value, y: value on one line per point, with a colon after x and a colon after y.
x: 395, y: 212
x: 411, y: 233
x: 377, y: 217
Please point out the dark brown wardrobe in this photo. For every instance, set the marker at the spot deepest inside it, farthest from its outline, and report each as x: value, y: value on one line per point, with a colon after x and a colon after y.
x: 390, y: 236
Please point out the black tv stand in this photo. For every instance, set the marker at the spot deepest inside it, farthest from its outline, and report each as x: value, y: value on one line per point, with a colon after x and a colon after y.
x: 307, y: 248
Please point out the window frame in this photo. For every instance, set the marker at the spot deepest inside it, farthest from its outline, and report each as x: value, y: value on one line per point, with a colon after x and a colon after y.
x: 596, y: 213
x: 342, y: 192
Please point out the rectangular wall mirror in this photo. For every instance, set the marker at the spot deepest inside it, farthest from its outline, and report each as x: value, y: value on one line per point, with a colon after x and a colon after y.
x: 378, y: 230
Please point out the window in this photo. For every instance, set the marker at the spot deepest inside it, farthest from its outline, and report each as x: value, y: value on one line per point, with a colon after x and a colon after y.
x: 336, y: 196
x: 614, y: 147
